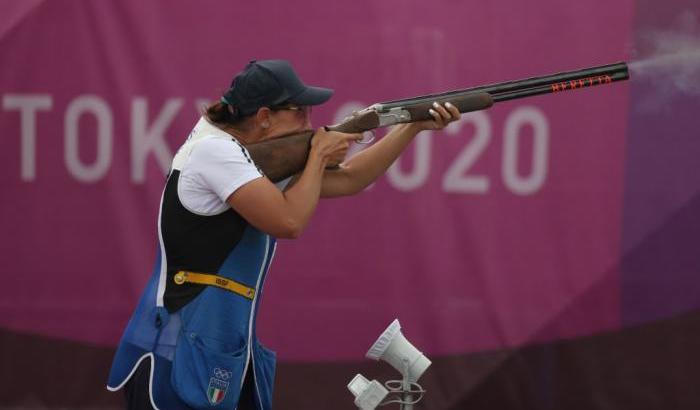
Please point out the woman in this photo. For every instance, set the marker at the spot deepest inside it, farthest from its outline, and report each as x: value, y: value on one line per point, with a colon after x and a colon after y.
x: 191, y: 342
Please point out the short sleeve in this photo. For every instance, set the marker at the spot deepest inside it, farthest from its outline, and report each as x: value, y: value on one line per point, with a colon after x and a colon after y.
x: 216, y: 168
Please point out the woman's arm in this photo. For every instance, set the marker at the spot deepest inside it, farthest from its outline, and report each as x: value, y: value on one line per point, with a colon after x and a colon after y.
x: 366, y: 166
x: 286, y: 214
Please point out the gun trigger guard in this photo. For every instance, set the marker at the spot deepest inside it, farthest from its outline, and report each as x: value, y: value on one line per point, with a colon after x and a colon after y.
x: 367, y: 137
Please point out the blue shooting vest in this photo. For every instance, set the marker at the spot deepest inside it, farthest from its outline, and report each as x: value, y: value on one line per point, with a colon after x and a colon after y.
x: 202, y: 342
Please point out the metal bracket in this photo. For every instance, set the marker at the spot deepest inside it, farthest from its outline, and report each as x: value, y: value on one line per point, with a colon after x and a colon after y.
x: 391, y: 116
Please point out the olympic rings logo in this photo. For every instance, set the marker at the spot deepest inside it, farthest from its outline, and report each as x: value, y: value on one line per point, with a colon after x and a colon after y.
x: 222, y: 374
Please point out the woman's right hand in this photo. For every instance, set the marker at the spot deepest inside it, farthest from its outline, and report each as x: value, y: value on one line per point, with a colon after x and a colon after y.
x: 332, y: 146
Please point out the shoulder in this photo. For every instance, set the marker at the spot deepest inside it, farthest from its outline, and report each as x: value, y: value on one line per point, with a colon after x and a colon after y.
x: 221, y: 148
x: 216, y: 143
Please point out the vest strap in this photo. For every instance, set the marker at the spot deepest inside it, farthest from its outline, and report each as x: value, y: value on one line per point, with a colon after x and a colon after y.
x: 214, y: 280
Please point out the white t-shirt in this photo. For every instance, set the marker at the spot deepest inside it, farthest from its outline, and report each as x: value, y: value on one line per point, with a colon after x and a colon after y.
x: 216, y: 167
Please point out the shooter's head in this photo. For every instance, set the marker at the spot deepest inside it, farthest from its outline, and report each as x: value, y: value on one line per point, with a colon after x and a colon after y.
x: 267, y: 99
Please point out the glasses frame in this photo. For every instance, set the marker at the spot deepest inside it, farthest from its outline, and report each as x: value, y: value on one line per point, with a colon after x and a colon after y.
x: 301, y: 109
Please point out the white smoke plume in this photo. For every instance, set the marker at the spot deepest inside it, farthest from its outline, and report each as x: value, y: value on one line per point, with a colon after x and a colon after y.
x: 670, y: 61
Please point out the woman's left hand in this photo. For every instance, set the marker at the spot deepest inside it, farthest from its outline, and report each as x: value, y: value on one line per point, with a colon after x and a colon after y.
x: 442, y: 114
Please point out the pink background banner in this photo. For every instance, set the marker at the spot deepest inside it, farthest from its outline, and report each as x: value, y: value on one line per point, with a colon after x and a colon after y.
x: 480, y: 237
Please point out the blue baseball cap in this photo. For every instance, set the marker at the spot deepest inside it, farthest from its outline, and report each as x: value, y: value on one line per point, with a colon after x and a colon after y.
x: 270, y: 83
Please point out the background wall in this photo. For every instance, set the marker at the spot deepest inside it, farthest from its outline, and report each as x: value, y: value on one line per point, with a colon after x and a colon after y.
x: 542, y: 253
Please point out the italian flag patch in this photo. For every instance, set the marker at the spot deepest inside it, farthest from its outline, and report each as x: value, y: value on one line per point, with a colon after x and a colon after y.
x: 216, y: 390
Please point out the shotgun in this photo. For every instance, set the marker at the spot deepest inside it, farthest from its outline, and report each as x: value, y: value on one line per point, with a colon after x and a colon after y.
x: 282, y: 157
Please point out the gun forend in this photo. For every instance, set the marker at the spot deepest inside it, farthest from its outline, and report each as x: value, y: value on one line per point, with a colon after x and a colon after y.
x: 377, y: 115
x: 465, y: 103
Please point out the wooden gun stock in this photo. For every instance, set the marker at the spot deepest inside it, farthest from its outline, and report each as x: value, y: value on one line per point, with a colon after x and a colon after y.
x: 282, y: 157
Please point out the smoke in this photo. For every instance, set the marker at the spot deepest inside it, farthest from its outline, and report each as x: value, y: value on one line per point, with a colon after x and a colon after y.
x: 670, y: 61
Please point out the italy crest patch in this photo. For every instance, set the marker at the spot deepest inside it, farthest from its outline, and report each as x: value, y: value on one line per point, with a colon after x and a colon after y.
x: 218, y: 384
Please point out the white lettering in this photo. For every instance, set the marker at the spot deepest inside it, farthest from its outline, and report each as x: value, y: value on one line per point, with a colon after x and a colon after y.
x: 529, y: 184
x: 456, y: 178
x: 421, y: 166
x: 27, y: 105
x: 96, y: 106
x: 145, y: 139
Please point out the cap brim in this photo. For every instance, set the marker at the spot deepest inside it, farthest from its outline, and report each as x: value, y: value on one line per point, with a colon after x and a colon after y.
x: 312, y: 96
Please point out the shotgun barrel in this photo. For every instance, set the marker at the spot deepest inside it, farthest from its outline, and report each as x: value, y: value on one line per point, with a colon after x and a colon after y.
x: 529, y: 87
x: 479, y: 98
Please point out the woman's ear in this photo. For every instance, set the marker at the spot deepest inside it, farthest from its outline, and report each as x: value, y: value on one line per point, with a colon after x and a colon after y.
x: 262, y: 117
